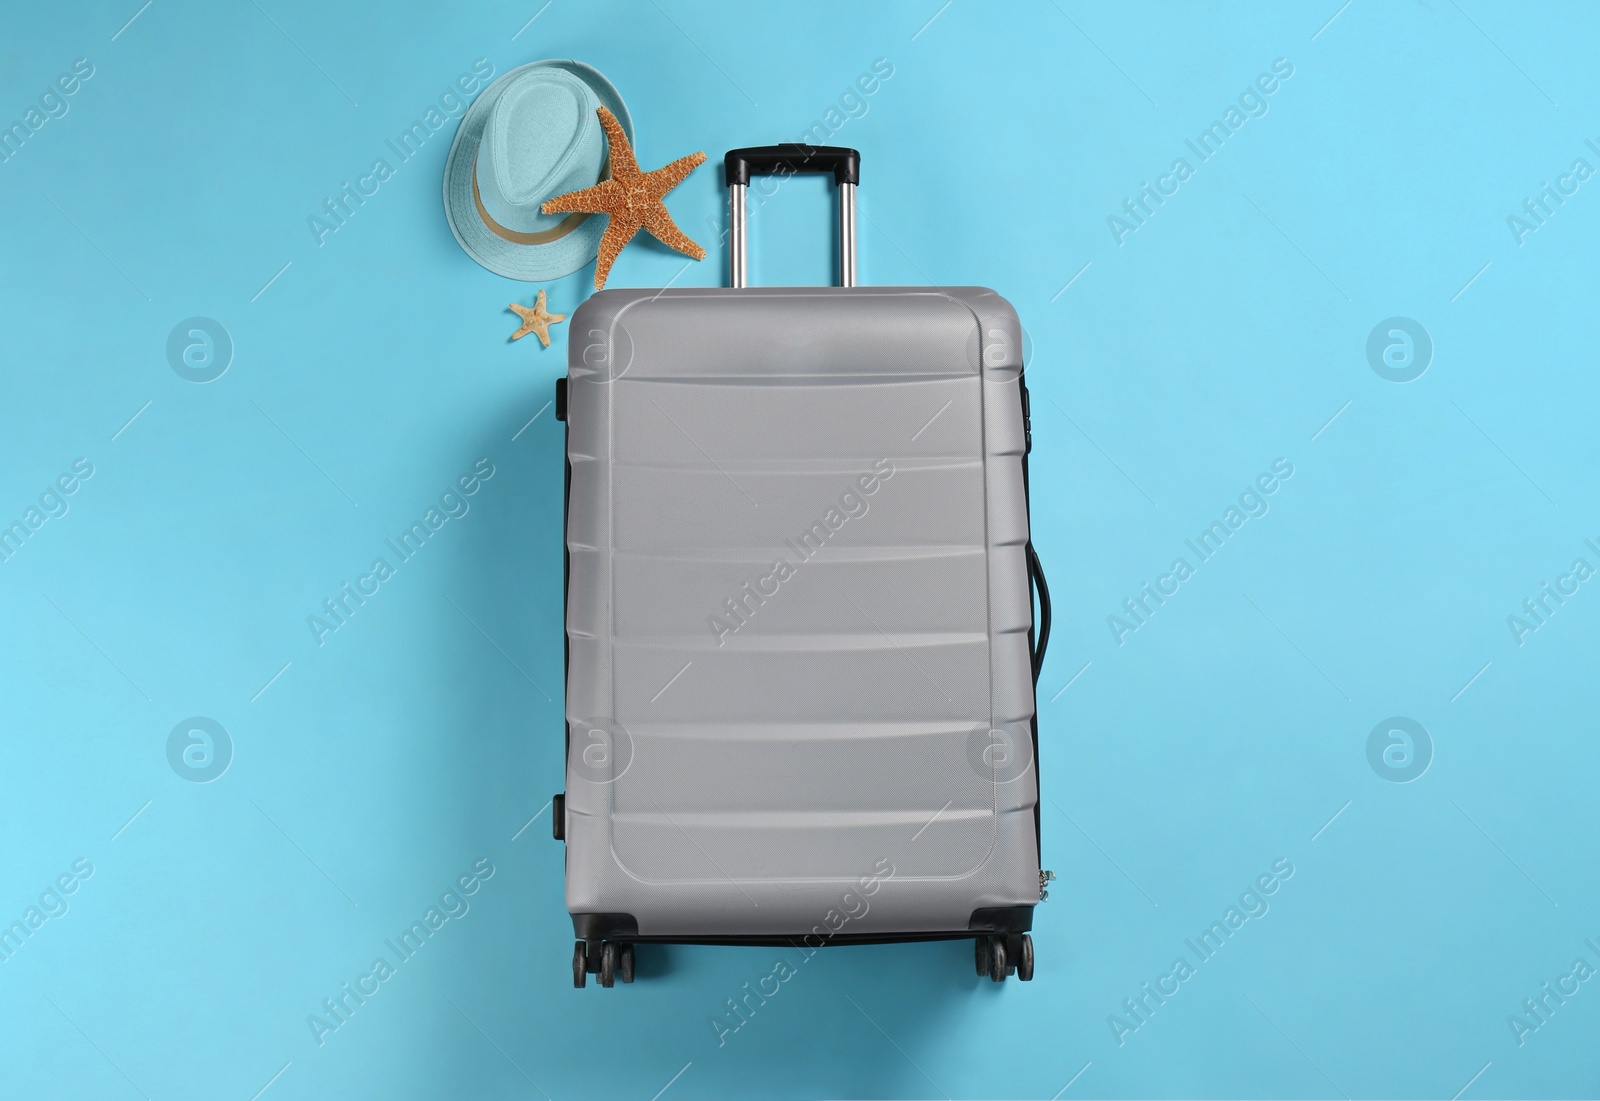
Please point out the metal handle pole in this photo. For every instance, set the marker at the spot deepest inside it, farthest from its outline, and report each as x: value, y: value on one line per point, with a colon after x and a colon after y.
x: 847, y: 235
x: 736, y: 237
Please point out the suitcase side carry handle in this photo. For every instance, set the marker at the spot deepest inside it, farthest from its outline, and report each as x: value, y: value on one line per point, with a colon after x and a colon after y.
x: 1042, y: 590
x: 790, y: 159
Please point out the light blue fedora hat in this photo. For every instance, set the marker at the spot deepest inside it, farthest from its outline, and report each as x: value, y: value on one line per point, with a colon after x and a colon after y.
x: 531, y: 135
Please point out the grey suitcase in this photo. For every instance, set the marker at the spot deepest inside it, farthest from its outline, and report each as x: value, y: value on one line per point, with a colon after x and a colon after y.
x: 799, y: 610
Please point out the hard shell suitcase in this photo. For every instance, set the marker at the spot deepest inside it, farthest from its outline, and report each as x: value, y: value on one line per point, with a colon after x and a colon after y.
x: 799, y: 609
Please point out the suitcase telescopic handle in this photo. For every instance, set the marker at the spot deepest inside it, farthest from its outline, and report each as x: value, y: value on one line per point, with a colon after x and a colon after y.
x: 789, y: 159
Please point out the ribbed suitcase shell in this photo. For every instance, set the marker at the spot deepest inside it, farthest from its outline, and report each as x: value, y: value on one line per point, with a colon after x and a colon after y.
x: 798, y: 612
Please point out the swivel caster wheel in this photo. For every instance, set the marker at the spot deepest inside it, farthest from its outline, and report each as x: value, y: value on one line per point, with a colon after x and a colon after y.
x: 981, y: 955
x: 580, y: 965
x: 608, y: 964
x: 1025, y: 959
x: 998, y: 965
x: 625, y: 963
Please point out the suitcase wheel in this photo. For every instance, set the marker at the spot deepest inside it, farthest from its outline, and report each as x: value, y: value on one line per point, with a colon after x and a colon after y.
x: 997, y: 956
x: 997, y: 959
x: 608, y: 964
x: 1025, y: 959
x: 607, y: 960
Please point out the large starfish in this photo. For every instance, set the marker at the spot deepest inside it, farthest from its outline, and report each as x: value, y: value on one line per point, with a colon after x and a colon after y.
x: 632, y: 199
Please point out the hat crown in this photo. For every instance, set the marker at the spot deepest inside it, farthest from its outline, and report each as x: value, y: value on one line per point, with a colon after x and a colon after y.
x: 543, y: 139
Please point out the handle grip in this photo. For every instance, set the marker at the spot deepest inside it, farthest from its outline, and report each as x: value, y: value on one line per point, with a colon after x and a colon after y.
x: 791, y: 158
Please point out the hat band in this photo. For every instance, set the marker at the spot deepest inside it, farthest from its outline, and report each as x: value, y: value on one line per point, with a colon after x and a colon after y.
x: 560, y: 230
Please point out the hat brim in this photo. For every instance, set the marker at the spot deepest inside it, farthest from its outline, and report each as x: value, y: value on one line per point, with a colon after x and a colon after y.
x: 529, y: 263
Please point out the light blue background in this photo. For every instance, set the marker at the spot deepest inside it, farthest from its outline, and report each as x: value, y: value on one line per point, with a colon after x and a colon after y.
x: 1226, y: 332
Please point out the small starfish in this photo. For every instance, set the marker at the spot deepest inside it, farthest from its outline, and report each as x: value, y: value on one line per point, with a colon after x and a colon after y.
x: 537, y: 320
x: 632, y: 199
